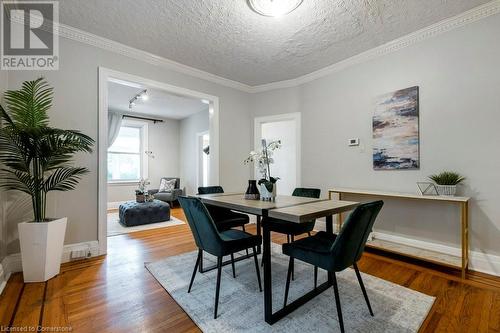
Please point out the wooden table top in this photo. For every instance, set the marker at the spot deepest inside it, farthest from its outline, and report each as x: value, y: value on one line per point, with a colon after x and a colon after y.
x: 238, y: 202
x: 399, y: 195
x: 309, y: 211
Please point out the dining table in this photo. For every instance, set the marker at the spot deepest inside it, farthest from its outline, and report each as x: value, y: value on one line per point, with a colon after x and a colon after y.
x: 289, y: 208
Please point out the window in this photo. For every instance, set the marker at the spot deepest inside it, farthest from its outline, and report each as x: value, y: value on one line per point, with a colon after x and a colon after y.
x: 126, y: 157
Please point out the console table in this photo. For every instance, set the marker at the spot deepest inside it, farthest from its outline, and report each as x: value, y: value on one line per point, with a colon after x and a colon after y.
x: 461, y: 262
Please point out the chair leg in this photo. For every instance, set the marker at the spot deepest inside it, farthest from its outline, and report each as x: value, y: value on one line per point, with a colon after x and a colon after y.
x: 200, y: 266
x: 195, y: 269
x: 232, y: 264
x: 288, y: 275
x: 217, y: 287
x: 315, y: 277
x: 361, y: 284
x: 337, y: 301
x: 287, y: 238
x: 309, y: 233
x: 257, y: 267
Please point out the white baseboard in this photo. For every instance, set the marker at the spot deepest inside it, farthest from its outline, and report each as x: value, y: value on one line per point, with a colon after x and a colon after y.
x: 115, y: 204
x: 478, y: 261
x: 13, y: 263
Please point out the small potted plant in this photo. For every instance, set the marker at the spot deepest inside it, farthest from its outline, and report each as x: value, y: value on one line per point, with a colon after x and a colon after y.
x: 35, y: 160
x: 446, y: 182
x: 142, y: 193
x: 263, y: 160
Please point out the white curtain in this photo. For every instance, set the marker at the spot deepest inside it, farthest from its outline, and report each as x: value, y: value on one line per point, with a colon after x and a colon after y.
x: 114, y: 124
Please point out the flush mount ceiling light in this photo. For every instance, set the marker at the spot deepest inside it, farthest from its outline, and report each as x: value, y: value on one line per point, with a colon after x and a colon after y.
x: 273, y: 8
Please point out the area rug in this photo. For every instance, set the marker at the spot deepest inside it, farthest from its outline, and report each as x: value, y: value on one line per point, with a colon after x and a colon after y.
x: 115, y: 228
x: 396, y: 308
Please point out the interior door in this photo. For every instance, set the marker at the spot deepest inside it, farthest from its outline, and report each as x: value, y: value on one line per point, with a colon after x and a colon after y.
x: 286, y: 164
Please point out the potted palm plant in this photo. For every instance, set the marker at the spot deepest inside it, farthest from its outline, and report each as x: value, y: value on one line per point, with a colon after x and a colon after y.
x: 446, y: 182
x: 35, y: 159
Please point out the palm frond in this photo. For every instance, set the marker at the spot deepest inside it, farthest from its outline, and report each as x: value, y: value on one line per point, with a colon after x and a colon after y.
x: 28, y: 106
x: 64, y: 179
x: 15, y: 180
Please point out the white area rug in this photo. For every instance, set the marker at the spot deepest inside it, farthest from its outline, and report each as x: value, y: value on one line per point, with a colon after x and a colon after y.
x: 115, y: 228
x: 396, y: 309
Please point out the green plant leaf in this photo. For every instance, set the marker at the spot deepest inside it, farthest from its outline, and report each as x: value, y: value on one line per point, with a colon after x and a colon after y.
x: 447, y: 178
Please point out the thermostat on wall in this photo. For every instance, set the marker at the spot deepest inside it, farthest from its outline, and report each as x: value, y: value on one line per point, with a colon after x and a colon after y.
x: 354, y: 142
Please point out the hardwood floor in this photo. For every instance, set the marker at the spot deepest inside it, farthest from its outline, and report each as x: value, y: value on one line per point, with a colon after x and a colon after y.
x: 117, y: 294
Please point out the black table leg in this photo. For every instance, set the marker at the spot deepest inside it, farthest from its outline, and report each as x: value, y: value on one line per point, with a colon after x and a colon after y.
x: 329, y: 224
x: 259, y: 231
x: 268, y: 288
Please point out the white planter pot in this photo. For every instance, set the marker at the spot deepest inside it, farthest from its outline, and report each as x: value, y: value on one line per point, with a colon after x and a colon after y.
x: 446, y: 190
x: 265, y: 194
x: 41, y: 248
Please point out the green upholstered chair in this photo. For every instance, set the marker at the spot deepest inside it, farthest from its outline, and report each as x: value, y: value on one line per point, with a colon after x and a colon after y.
x: 291, y: 229
x: 209, y: 239
x: 224, y: 218
x: 334, y: 253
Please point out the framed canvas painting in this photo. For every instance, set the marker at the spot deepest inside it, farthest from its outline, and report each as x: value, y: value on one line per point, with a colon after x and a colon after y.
x: 396, y: 132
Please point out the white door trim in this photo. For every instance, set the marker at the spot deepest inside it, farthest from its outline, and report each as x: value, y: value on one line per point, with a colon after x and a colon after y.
x: 105, y: 75
x: 198, y: 148
x: 296, y: 116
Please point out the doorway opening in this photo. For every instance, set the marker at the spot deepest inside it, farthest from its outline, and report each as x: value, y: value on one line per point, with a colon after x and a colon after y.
x: 142, y: 128
x: 286, y: 166
x: 203, y: 158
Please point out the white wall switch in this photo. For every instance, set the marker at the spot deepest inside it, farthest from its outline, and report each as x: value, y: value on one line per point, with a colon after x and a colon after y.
x: 354, y: 142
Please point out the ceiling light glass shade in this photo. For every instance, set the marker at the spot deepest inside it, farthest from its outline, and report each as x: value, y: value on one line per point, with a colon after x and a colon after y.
x: 274, y: 7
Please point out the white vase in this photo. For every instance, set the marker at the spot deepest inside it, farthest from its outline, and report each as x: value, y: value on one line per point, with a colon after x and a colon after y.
x: 267, y: 195
x: 446, y: 190
x: 41, y: 248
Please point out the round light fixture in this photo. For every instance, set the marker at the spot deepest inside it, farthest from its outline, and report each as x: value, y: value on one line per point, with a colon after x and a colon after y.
x: 273, y: 8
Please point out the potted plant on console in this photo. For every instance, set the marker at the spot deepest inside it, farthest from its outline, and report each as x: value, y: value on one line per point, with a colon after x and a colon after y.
x: 263, y: 160
x: 446, y: 182
x: 35, y: 159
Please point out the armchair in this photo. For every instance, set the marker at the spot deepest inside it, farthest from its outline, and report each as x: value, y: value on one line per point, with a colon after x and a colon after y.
x: 169, y: 196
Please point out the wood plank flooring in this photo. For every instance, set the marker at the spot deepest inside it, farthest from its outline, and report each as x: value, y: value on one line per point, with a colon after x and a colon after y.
x: 116, y: 293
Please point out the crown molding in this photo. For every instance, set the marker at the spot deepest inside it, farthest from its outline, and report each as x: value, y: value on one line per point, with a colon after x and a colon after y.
x: 470, y: 16
x: 84, y: 37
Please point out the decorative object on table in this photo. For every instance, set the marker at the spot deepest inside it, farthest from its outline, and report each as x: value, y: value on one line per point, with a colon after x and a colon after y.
x: 252, y: 192
x: 262, y: 161
x: 36, y: 159
x: 395, y: 131
x: 142, y: 193
x: 426, y: 188
x: 446, y: 182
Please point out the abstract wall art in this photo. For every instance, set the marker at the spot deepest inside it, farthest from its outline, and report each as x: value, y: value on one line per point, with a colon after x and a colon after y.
x: 395, y: 131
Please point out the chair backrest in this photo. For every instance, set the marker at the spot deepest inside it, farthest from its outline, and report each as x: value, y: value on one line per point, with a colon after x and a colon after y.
x: 177, y: 181
x: 202, y: 226
x: 350, y: 243
x: 307, y: 192
x: 210, y: 189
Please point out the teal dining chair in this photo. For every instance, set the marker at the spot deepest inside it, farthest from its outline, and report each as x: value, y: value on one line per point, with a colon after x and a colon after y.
x: 334, y: 253
x: 218, y: 243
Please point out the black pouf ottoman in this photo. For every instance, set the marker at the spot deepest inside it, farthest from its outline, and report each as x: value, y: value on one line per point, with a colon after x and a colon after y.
x: 134, y: 213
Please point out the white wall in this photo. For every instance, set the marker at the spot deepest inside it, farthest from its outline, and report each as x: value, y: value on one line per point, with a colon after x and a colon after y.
x: 76, y: 106
x: 189, y: 128
x: 459, y: 77
x: 163, y: 141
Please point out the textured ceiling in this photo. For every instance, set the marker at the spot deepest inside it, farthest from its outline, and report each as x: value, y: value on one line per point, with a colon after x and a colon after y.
x: 226, y: 38
x: 159, y: 104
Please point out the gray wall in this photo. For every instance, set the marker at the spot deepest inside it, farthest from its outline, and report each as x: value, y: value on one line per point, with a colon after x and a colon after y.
x: 76, y: 106
x: 163, y: 141
x: 189, y: 128
x: 459, y: 78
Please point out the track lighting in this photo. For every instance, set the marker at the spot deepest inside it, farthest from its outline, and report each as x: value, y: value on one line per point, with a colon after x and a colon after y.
x: 143, y: 95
